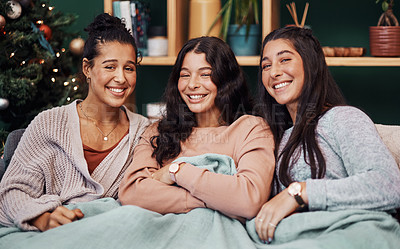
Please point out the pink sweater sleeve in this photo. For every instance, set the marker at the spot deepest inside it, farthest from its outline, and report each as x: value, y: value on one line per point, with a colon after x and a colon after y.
x: 137, y: 187
x: 243, y: 194
x: 239, y: 196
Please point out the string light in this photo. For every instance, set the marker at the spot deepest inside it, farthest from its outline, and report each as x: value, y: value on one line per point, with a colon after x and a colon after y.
x: 68, y: 99
x: 75, y: 88
x: 44, y: 5
x: 23, y: 63
x: 63, y: 50
x: 39, y: 22
x: 51, y: 8
x: 55, y: 70
x: 66, y: 83
x: 53, y: 79
x: 41, y: 61
x: 12, y: 54
x: 73, y: 79
x: 58, y: 54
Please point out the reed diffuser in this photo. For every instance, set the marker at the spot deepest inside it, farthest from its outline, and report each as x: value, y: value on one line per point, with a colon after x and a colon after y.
x: 292, y: 10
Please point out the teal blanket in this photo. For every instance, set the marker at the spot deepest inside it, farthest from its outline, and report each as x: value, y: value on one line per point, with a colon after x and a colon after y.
x: 109, y: 225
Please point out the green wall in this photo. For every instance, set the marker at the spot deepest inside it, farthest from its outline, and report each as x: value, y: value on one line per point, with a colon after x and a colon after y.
x: 376, y: 90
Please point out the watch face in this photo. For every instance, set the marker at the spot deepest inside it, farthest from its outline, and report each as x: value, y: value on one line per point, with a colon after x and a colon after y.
x: 294, y: 188
x: 173, y: 168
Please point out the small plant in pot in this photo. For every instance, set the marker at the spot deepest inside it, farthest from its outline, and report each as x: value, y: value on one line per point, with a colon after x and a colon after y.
x: 244, y: 34
x: 384, y: 39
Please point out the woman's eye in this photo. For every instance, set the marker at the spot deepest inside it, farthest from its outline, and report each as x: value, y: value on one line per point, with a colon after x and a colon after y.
x: 131, y: 69
x: 285, y: 60
x: 206, y: 75
x: 109, y: 67
x: 266, y: 66
x: 184, y: 75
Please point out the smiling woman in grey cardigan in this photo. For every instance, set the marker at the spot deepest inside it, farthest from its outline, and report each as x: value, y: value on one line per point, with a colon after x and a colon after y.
x: 330, y: 160
x: 78, y: 152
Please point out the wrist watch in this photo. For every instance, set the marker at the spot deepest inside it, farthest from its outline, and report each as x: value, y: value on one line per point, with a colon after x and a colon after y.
x: 294, y: 190
x: 173, y: 169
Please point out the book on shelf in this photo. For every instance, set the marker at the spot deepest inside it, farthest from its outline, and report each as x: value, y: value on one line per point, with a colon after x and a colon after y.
x: 155, y: 111
x: 136, y: 16
x: 116, y: 9
x: 125, y: 12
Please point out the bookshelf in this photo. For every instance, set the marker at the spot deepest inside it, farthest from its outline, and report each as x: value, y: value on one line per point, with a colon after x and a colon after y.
x: 177, y: 26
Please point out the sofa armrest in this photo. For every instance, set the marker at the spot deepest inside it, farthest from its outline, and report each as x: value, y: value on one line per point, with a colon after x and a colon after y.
x: 9, y: 148
x: 2, y: 168
x: 390, y: 135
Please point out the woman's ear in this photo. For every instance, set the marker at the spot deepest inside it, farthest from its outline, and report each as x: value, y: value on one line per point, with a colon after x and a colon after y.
x: 86, y: 67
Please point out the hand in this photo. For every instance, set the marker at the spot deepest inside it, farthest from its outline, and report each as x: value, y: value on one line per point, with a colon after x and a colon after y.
x: 273, y: 211
x: 163, y: 175
x: 60, y: 216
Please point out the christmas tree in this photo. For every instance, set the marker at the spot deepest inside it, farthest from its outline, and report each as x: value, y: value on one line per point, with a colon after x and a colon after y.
x: 37, y: 71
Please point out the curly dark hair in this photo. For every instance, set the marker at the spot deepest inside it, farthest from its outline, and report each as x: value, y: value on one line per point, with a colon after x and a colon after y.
x: 106, y: 28
x: 233, y: 97
x: 320, y: 93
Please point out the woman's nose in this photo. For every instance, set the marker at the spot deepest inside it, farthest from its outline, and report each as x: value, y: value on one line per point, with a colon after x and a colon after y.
x: 119, y: 75
x: 193, y: 83
x: 276, y: 71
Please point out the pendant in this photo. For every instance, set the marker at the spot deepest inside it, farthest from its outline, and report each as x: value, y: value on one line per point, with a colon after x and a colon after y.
x: 105, y: 138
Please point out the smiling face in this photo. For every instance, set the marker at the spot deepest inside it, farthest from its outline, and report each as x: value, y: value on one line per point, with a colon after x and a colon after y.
x: 283, y: 73
x: 197, y: 89
x: 112, y: 74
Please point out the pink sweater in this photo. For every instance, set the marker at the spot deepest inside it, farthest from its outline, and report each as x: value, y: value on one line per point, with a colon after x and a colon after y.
x: 248, y: 141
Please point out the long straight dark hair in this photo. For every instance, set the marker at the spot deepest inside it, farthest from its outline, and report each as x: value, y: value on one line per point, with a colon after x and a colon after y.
x: 233, y: 97
x: 320, y: 93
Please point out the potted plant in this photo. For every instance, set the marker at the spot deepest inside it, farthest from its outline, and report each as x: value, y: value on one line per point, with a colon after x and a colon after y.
x: 243, y: 35
x: 385, y: 37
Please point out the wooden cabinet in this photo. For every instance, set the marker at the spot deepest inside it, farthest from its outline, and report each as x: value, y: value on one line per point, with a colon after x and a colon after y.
x: 177, y: 26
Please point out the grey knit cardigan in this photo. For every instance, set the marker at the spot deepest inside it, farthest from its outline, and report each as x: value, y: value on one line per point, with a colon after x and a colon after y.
x: 48, y: 168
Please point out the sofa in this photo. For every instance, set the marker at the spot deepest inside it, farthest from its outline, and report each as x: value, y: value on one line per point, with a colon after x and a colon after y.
x: 390, y: 135
x: 9, y: 148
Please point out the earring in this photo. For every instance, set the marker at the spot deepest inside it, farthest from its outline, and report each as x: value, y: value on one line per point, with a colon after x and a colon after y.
x: 88, y: 80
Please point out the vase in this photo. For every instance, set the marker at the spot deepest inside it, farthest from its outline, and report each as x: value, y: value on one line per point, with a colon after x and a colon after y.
x: 242, y: 44
x: 384, y: 41
x: 202, y: 13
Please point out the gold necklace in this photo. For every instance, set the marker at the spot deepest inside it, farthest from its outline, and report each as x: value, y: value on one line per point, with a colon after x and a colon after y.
x: 105, y: 137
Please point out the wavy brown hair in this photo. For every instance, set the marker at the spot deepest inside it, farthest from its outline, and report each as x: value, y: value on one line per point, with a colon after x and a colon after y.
x: 320, y: 93
x: 233, y: 98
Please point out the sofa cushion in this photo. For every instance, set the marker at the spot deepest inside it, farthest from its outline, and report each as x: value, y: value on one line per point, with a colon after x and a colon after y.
x: 390, y: 135
x: 9, y: 148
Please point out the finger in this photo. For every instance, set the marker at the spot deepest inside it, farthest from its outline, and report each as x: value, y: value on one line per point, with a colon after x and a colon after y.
x: 78, y: 213
x: 261, y: 229
x: 63, y: 215
x: 57, y: 219
x: 69, y: 214
x: 258, y: 221
x: 261, y: 222
x: 271, y: 231
x: 53, y: 223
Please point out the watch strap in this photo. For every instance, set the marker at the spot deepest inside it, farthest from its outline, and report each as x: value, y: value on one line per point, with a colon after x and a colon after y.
x: 299, y: 200
x: 295, y: 192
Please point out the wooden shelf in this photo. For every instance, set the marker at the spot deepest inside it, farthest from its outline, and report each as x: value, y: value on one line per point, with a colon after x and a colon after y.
x: 363, y: 61
x: 331, y: 61
x: 177, y: 20
x: 177, y: 28
x: 170, y: 60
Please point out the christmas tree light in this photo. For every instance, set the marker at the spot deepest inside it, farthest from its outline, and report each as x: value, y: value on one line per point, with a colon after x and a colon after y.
x: 35, y: 66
